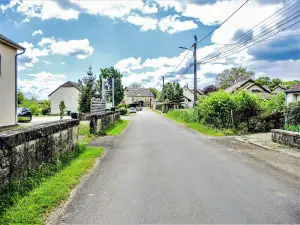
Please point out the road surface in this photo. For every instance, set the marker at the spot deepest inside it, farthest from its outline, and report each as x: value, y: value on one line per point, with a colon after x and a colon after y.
x: 161, y: 172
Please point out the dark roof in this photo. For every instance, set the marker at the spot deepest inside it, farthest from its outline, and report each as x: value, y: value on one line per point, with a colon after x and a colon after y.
x: 67, y: 84
x: 10, y: 42
x: 294, y: 88
x: 240, y: 84
x: 139, y: 92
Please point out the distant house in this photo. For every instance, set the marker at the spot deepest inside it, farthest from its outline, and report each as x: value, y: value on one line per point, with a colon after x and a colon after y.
x: 188, y: 94
x: 293, y: 94
x: 251, y: 86
x: 278, y: 90
x: 8, y: 81
x: 67, y: 92
x: 141, y: 96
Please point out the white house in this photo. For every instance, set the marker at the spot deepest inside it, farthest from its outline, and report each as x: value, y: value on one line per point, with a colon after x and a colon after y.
x: 188, y: 94
x: 67, y: 92
x: 8, y: 81
x: 251, y: 86
x: 293, y: 94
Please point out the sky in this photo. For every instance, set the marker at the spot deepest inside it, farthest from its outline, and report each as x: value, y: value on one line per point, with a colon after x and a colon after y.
x: 141, y: 38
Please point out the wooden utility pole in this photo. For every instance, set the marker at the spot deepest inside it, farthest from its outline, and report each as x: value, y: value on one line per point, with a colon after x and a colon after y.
x: 195, y: 70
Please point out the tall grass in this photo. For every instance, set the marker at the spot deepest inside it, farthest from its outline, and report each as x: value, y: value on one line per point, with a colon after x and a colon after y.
x: 185, y: 115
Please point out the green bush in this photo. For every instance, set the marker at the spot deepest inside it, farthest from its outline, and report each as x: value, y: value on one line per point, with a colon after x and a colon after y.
x: 276, y: 103
x: 292, y: 113
x: 123, y: 111
x: 295, y: 128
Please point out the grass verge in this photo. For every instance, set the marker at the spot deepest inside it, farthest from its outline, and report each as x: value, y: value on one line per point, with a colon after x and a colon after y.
x: 32, y: 208
x: 84, y: 129
x: 116, y: 128
x: 197, y: 126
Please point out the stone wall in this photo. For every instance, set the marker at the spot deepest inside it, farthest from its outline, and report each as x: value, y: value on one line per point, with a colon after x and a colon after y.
x: 100, y: 122
x: 26, y: 149
x: 289, y: 138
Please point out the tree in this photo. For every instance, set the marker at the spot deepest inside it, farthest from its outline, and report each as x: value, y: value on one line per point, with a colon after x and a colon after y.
x: 135, y: 85
x: 62, y: 107
x: 263, y: 81
x: 20, y: 97
x: 113, y: 73
x: 178, y: 95
x: 209, y: 89
x: 275, y: 82
x: 155, y: 92
x: 88, y: 90
x: 231, y: 76
x: 173, y: 92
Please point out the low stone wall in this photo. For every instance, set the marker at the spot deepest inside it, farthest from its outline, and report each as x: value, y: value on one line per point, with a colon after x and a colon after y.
x: 26, y: 149
x: 100, y: 122
x: 289, y: 138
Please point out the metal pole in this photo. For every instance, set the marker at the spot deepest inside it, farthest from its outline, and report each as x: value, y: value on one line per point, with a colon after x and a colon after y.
x: 195, y: 70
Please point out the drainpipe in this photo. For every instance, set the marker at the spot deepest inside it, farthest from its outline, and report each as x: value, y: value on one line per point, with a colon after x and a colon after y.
x: 16, y: 82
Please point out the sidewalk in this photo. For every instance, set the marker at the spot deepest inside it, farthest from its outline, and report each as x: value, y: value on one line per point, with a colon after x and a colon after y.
x: 264, y: 140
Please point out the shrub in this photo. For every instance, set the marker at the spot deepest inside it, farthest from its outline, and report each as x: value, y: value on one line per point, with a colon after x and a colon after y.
x: 275, y: 104
x: 295, y: 128
x: 123, y: 111
x: 292, y: 113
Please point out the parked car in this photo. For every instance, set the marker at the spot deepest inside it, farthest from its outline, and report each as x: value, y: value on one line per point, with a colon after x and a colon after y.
x: 24, y: 115
x: 132, y: 110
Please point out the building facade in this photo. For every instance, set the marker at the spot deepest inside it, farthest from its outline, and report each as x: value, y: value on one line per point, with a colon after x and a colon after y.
x: 69, y: 93
x: 8, y: 81
x: 140, y: 96
x: 293, y: 94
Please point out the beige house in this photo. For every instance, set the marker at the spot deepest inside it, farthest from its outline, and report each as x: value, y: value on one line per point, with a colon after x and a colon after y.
x: 67, y: 92
x: 8, y: 80
x: 141, y: 96
x: 293, y: 94
x: 188, y: 94
x: 251, y: 86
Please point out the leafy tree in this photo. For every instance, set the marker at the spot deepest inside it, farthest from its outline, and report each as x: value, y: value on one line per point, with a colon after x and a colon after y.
x: 178, y: 92
x: 62, y: 107
x: 135, y: 85
x: 289, y: 84
x: 173, y: 92
x: 231, y: 76
x: 275, y: 82
x: 276, y: 103
x: 264, y: 81
x: 113, y: 73
x: 88, y: 90
x: 155, y: 92
x: 20, y: 97
x: 209, y: 89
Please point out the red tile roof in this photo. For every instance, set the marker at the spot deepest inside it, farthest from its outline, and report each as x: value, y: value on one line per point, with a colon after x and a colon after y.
x: 296, y: 87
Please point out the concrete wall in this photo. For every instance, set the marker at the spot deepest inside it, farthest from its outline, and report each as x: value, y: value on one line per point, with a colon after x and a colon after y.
x: 289, y: 138
x: 70, y: 95
x: 7, y: 86
x: 26, y: 149
x: 102, y: 121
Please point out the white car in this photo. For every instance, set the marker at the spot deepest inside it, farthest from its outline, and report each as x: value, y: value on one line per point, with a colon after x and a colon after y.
x: 132, y: 110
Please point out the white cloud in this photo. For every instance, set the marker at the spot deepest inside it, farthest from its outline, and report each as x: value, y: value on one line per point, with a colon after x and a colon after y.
x: 79, y: 48
x: 127, y: 65
x: 36, y: 32
x: 63, y: 63
x: 172, y: 25
x: 26, y: 20
x: 149, y: 9
x: 47, y: 62
x: 112, y: 9
x: 146, y: 23
x: 41, y: 9
x: 40, y: 85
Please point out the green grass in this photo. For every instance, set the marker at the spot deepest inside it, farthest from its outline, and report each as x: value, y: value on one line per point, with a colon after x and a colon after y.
x: 196, y: 126
x: 32, y: 208
x: 116, y: 128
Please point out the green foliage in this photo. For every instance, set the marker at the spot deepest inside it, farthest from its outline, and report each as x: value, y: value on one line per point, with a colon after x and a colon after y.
x: 123, y: 111
x: 84, y: 129
x: 292, y: 113
x: 88, y: 90
x: 113, y: 73
x: 295, y: 128
x: 155, y: 92
x: 263, y: 81
x: 185, y: 115
x: 231, y: 76
x: 20, y: 97
x: 62, y: 108
x: 276, y: 103
x: 33, y: 106
x: 289, y: 84
x: 172, y: 92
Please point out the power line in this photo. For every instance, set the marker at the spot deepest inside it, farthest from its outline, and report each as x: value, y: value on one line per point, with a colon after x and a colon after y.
x: 223, y: 22
x: 214, y: 54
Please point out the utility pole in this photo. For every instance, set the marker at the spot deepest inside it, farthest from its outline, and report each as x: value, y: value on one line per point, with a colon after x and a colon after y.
x: 195, y: 70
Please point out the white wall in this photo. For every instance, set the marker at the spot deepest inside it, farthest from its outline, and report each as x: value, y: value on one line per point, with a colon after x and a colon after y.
x: 70, y: 95
x: 7, y: 86
x: 292, y: 97
x: 188, y: 93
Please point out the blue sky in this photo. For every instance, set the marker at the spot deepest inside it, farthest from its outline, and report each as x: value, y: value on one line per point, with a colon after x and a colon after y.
x: 140, y: 38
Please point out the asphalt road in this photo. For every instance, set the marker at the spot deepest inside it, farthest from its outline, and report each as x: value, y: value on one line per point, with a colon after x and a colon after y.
x: 161, y: 172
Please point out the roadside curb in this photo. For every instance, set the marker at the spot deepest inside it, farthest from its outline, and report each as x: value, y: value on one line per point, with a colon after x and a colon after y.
x: 268, y: 148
